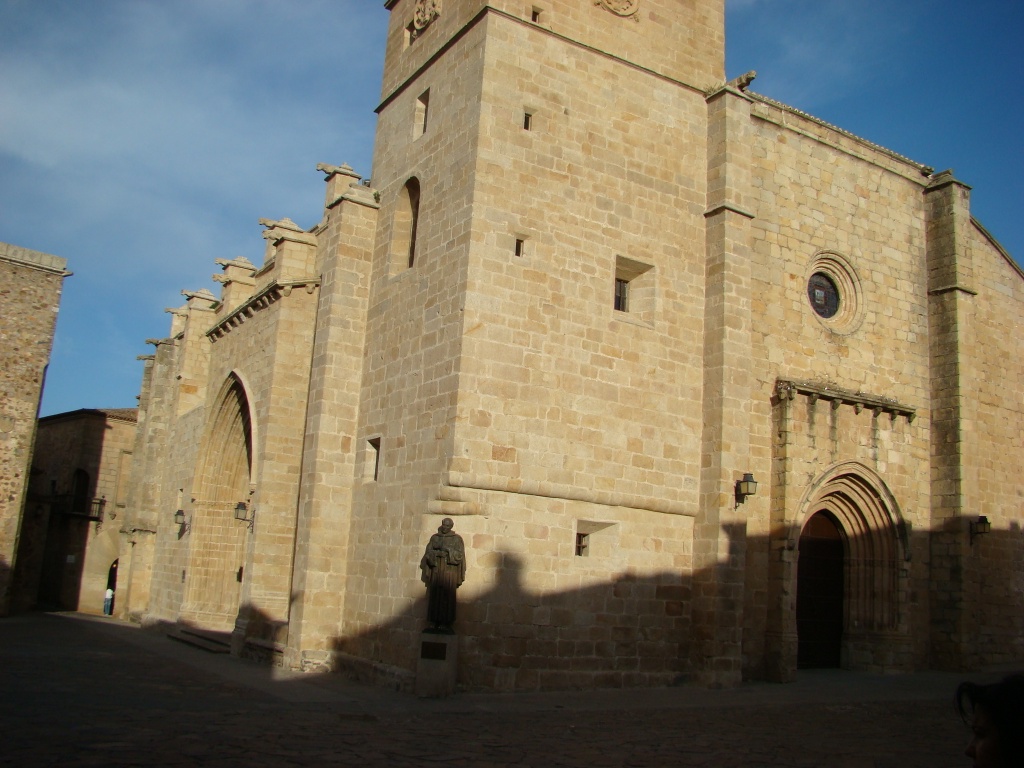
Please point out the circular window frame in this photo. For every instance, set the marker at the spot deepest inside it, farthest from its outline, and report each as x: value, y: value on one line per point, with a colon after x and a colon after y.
x: 840, y: 271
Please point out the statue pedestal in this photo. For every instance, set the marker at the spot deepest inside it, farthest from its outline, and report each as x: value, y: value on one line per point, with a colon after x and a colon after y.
x: 438, y: 665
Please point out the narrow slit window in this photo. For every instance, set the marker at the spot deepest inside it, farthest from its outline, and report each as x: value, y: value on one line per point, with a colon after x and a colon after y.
x: 535, y: 15
x: 527, y: 121
x: 520, y: 248
x: 582, y: 544
x: 410, y: 34
x: 373, y: 458
x: 422, y: 114
x: 621, y: 295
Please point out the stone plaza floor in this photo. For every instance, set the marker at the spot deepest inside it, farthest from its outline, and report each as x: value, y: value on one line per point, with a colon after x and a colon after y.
x: 89, y: 691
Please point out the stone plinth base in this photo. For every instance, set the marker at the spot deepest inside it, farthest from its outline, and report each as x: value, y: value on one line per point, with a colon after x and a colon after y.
x: 438, y: 665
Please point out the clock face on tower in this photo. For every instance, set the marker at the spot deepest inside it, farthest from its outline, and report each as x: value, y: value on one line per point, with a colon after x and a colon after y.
x: 621, y: 7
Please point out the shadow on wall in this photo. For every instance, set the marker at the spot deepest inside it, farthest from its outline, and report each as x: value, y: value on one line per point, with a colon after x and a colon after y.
x: 51, y: 558
x: 655, y: 630
x: 6, y: 588
x: 628, y: 632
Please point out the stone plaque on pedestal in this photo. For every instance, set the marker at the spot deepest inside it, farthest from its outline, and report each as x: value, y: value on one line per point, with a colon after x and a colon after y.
x: 438, y: 664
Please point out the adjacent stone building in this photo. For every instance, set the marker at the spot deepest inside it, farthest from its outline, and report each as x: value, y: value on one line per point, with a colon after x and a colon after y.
x: 30, y: 287
x: 77, y: 496
x: 591, y: 289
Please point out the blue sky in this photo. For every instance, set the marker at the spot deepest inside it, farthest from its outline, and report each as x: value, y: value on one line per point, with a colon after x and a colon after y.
x: 142, y: 139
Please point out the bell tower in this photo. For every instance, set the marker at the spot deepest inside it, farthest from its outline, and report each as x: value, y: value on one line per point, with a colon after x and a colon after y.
x: 533, y: 344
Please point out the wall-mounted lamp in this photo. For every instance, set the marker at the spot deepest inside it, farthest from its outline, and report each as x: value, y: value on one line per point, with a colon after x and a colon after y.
x: 180, y: 520
x: 979, y: 527
x: 242, y: 514
x: 745, y: 487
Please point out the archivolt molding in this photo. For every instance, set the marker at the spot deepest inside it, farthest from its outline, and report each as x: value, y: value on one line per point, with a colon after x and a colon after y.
x: 228, y: 443
x: 873, y: 532
x: 863, y: 504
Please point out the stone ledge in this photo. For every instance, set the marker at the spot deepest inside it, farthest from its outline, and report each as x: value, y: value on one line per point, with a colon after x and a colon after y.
x: 788, y: 390
x: 373, y: 672
x: 34, y: 259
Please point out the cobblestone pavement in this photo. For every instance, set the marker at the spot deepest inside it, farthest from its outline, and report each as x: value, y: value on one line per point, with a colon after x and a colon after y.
x: 87, y: 691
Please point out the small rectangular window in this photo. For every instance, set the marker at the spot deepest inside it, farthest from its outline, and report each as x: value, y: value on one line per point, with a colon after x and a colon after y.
x: 535, y: 15
x: 410, y: 34
x: 635, y: 289
x: 527, y: 121
x: 595, y: 539
x: 520, y: 247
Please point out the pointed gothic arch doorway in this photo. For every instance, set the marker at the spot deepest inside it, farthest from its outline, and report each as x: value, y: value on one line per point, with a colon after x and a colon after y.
x: 875, y: 551
x: 217, y: 544
x: 820, y: 593
x: 851, y: 501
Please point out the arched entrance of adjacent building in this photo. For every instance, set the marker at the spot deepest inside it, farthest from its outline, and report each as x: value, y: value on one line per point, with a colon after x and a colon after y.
x: 223, y: 479
x: 852, y: 577
x: 820, y: 594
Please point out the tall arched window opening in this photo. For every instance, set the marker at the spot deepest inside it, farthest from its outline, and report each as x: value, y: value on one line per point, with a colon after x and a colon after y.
x: 404, y: 226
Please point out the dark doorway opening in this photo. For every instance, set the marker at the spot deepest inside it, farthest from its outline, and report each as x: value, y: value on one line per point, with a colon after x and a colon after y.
x: 819, y: 594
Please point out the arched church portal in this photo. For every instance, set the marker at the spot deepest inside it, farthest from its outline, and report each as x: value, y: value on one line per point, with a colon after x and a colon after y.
x: 851, y: 574
x: 223, y: 479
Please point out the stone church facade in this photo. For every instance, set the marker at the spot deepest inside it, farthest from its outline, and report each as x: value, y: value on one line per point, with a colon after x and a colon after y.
x: 590, y: 287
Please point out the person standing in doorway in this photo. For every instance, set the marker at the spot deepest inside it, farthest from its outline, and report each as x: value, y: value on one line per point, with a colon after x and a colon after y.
x: 108, y: 602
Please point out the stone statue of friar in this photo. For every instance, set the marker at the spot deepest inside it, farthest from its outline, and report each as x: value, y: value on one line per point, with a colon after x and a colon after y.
x: 443, y: 569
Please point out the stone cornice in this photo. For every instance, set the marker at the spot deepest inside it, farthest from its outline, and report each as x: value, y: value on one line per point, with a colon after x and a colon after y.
x: 950, y: 288
x: 762, y: 110
x: 727, y: 207
x: 286, y: 229
x: 788, y: 390
x: 453, y: 498
x: 359, y: 194
x: 25, y: 257
x: 944, y: 179
x: 998, y: 246
x: 736, y: 87
x: 259, y: 301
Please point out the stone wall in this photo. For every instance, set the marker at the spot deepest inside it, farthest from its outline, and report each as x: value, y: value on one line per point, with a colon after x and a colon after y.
x: 30, y: 287
x: 997, y: 361
x: 67, y: 550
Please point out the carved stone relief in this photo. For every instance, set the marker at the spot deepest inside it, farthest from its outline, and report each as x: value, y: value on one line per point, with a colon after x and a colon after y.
x: 425, y: 13
x: 621, y: 7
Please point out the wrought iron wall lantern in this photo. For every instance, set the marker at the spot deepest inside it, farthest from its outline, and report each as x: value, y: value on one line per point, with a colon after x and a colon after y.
x: 745, y: 487
x: 979, y: 527
x: 242, y: 514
